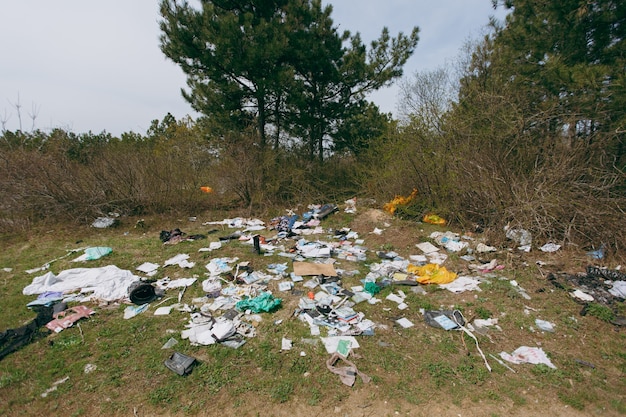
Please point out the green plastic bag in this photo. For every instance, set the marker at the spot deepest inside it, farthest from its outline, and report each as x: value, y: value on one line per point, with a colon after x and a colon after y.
x: 262, y: 303
x: 372, y: 288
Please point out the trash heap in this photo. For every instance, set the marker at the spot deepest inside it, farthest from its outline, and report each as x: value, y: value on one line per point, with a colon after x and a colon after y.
x: 236, y: 295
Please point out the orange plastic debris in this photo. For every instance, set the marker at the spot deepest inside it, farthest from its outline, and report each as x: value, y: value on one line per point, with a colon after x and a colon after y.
x: 206, y: 189
x: 391, y: 206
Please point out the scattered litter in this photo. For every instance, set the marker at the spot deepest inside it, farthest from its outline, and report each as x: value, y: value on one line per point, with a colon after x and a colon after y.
x: 486, y: 267
x: 480, y: 325
x: 91, y: 254
x: 544, y: 325
x: 90, y: 367
x: 170, y: 343
x: 104, y: 222
x: 286, y: 344
x: 64, y: 319
x: 427, y: 247
x: 168, y: 284
x: 433, y: 274
x: 132, y: 311
x: 550, y: 247
x: 347, y: 374
x: 108, y: 283
x: 482, y: 248
x: 618, y: 289
x: 399, y: 200
x: 519, y: 289
x: 525, y: 354
x: 350, y: 206
x: 462, y: 284
x: 521, y: 236
x: 405, y: 323
x: 141, y: 292
x: 597, y: 253
x: 180, y: 260
x: 54, y: 386
x: 263, y: 303
x: 444, y: 319
x: 502, y: 363
x: 212, y: 246
x: 434, y: 219
x: 583, y: 296
x: 180, y: 363
x: 335, y: 343
x: 589, y: 364
x: 163, y: 311
x: 148, y: 268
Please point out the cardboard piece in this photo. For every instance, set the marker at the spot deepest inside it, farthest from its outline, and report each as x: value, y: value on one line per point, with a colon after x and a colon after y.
x: 308, y: 268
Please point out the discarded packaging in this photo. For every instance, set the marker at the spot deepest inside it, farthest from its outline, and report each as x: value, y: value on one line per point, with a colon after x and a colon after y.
x: 347, y: 374
x: 399, y: 200
x: 434, y: 219
x: 525, y: 354
x: 180, y: 363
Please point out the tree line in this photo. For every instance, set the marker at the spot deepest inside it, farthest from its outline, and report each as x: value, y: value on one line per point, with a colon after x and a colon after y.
x: 527, y: 129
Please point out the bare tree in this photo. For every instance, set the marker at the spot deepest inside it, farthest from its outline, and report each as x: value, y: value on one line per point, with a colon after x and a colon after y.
x: 34, y: 112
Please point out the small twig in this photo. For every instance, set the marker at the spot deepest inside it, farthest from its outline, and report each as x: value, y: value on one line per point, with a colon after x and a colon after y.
x: 82, y: 336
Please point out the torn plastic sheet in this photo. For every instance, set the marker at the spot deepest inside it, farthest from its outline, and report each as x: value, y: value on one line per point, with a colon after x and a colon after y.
x: 132, y: 311
x: 525, y: 354
x: 167, y: 283
x: 181, y: 260
x: 347, y: 374
x: 93, y: 253
x: 64, y: 319
x: 148, y: 268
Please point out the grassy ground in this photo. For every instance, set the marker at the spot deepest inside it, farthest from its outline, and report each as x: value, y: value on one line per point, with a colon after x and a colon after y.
x: 415, y: 371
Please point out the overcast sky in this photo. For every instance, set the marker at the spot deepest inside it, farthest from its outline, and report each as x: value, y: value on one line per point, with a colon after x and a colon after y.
x: 96, y: 65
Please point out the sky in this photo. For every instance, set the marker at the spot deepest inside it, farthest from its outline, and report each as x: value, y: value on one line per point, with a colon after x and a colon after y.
x: 96, y: 66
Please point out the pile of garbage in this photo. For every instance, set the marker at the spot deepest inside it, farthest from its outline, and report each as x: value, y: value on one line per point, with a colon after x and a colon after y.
x: 236, y: 295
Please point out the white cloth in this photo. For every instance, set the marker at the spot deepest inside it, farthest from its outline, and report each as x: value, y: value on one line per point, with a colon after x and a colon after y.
x: 108, y: 283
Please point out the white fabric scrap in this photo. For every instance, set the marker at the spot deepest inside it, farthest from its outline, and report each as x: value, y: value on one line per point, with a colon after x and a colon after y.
x: 108, y: 283
x: 163, y: 311
x: 148, y: 268
x: 167, y: 283
x: 180, y: 260
x: 619, y: 289
x: 525, y: 354
x: 462, y: 284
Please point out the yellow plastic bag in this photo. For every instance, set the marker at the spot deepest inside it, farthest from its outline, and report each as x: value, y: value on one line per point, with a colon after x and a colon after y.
x: 398, y: 200
x: 434, y: 219
x: 432, y: 274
